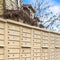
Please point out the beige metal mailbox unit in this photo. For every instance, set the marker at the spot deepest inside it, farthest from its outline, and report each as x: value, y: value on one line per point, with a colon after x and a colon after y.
x: 19, y: 41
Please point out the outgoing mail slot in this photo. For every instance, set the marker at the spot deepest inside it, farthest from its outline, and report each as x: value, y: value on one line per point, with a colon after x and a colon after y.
x: 13, y: 51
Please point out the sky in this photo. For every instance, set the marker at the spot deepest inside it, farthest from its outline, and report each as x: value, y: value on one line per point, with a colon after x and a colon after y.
x: 55, y: 8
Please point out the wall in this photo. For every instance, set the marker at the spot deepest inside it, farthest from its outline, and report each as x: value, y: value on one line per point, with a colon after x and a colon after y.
x: 1, y: 7
x: 23, y: 42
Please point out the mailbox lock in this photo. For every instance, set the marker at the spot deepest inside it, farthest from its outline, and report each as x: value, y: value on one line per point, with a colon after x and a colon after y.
x: 8, y: 42
x: 8, y: 55
x: 13, y: 54
x: 8, y: 50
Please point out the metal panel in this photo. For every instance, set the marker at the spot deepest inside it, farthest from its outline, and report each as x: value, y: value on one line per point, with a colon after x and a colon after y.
x: 26, y: 37
x: 1, y: 53
x: 36, y: 45
x: 13, y: 27
x: 13, y: 56
x: 45, y: 55
x: 26, y: 54
x: 20, y: 42
x: 13, y: 42
x: 57, y: 55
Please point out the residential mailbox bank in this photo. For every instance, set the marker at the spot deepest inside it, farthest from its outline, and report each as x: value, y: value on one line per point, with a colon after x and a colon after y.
x: 19, y: 41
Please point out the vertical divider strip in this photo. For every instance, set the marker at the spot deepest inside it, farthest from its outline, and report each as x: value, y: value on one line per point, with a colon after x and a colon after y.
x: 20, y: 42
x: 6, y: 41
x: 32, y: 44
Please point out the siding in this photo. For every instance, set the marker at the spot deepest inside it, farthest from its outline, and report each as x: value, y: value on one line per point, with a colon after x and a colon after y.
x: 1, y: 7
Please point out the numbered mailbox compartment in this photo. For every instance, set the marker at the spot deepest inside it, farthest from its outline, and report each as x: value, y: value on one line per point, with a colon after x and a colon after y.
x: 57, y: 55
x: 36, y: 40
x: 36, y: 54
x: 45, y: 45
x: 26, y: 39
x: 25, y: 44
x: 36, y: 32
x: 26, y: 53
x: 28, y: 35
x: 14, y: 59
x: 1, y: 42
x: 36, y: 58
x: 1, y: 57
x: 36, y: 44
x: 13, y: 27
x: 1, y: 31
x: 26, y: 50
x: 1, y: 37
x: 52, y: 46
x: 13, y: 38
x: 13, y: 44
x: 45, y: 54
x: 15, y: 51
x: 36, y: 36
x: 13, y: 56
x: 26, y: 58
x: 1, y: 53
x: 46, y: 34
x: 35, y: 50
x: 13, y: 33
x: 2, y: 25
x: 26, y: 30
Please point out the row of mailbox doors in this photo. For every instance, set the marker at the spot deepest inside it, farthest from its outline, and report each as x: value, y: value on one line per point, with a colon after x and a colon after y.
x: 14, y: 54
